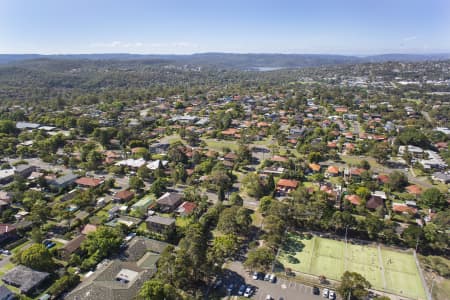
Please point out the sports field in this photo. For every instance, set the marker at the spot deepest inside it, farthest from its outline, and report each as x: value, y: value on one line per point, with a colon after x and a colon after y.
x: 387, y: 270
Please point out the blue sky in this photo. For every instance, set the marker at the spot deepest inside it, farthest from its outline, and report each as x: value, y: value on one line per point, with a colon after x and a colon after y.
x: 256, y: 26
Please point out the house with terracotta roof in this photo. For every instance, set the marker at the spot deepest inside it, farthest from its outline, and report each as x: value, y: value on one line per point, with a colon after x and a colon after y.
x: 314, y: 167
x: 414, y: 189
x: 123, y: 196
x: 186, y: 208
x: 229, y: 132
x: 332, y: 171
x: 403, y: 208
x: 383, y: 178
x: 280, y: 159
x: 88, y: 182
x: 285, y: 186
x: 353, y: 199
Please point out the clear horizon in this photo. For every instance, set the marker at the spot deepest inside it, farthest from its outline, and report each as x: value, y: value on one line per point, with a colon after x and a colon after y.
x: 348, y: 27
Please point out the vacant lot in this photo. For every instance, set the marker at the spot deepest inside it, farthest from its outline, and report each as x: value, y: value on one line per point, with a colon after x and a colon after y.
x: 386, y: 269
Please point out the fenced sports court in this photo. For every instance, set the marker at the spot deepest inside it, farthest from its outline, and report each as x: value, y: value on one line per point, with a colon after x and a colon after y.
x: 389, y: 270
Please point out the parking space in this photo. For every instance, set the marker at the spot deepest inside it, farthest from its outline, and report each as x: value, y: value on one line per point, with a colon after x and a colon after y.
x: 282, y: 288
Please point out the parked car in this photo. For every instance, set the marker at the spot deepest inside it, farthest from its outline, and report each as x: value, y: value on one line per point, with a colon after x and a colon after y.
x: 241, y: 290
x: 6, y: 252
x: 267, y: 277
x: 268, y: 297
x: 230, y: 288
x: 258, y: 275
x: 332, y: 295
x: 316, y: 290
x: 248, y: 291
x: 272, y: 278
x: 325, y: 293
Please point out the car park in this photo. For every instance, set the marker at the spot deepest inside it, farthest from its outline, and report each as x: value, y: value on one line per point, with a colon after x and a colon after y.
x: 325, y: 293
x: 241, y: 290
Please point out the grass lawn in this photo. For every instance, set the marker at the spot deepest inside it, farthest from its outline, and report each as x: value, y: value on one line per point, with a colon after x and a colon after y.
x: 6, y: 268
x: 218, y: 145
x: 319, y: 256
x: 182, y: 221
x: 20, y: 247
x: 256, y: 219
x: 401, y: 273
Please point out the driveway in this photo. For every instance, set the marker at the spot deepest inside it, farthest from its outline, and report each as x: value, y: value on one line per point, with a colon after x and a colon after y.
x: 286, y: 289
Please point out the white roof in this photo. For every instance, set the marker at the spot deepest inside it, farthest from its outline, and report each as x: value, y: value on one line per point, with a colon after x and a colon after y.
x: 154, y: 164
x: 134, y: 163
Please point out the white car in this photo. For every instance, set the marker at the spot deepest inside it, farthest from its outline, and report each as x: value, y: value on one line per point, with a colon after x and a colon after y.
x: 268, y: 297
x: 325, y: 293
x: 332, y: 295
x: 248, y: 292
x: 272, y: 278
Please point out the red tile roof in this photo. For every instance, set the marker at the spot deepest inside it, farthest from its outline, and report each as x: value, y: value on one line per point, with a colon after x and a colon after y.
x: 401, y: 207
x: 353, y: 199
x: 88, y: 181
x: 124, y: 195
x: 333, y: 170
x: 278, y: 158
x: 314, y: 167
x: 287, y: 183
x: 414, y: 189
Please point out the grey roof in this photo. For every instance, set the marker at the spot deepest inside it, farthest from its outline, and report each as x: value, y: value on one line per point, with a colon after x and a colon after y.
x: 160, y: 220
x: 5, y: 293
x: 66, y: 178
x: 141, y: 245
x: 103, y: 284
x: 25, y: 125
x: 24, y: 278
x: 170, y: 199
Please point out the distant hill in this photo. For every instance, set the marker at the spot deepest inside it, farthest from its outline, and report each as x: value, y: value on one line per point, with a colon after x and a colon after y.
x: 235, y: 60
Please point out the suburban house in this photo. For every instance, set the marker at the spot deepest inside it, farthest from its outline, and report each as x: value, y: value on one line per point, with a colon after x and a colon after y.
x: 71, y: 247
x: 121, y: 279
x: 442, y: 177
x: 143, y: 204
x: 374, y: 202
x: 123, y: 196
x: 27, y: 280
x: 63, y: 181
x: 169, y: 202
x: 159, y: 224
x: 88, y: 182
x: 332, y: 171
x: 285, y: 186
x: 7, y: 232
x: 186, y: 208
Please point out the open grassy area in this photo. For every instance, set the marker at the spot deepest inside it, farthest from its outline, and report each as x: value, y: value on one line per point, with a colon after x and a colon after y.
x: 218, y: 145
x: 401, y: 273
x: 386, y: 269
